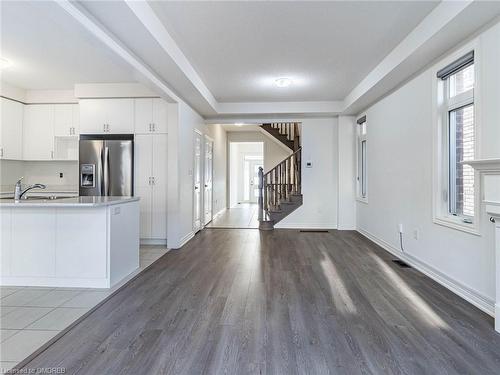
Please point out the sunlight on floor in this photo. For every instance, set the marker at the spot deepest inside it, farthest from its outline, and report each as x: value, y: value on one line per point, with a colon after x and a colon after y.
x: 429, y: 316
x: 337, y: 287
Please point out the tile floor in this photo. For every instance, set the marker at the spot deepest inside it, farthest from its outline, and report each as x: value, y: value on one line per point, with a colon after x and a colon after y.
x: 243, y: 215
x: 31, y: 316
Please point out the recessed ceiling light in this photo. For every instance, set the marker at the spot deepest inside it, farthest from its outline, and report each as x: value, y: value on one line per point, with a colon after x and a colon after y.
x: 239, y: 124
x: 4, y: 63
x: 283, y: 82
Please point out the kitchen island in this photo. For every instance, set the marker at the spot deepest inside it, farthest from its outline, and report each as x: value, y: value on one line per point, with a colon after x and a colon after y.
x: 89, y: 242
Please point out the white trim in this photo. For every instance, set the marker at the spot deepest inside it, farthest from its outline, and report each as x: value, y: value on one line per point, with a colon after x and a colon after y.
x: 152, y: 241
x: 440, y: 108
x: 98, y: 30
x: 430, y: 26
x: 184, y: 240
x: 360, y: 138
x: 485, y: 165
x: 142, y: 10
x: 482, y: 302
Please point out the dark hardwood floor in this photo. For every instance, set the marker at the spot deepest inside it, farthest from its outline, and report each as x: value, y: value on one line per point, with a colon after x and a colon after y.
x: 281, y: 302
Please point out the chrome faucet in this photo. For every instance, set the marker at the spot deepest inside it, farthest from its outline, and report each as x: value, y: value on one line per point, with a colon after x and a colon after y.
x: 18, y: 192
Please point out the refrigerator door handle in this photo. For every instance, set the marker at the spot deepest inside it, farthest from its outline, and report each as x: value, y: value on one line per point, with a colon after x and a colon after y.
x: 106, y: 171
x: 101, y: 172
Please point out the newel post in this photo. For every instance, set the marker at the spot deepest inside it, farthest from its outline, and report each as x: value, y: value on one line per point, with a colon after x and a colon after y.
x: 261, y: 195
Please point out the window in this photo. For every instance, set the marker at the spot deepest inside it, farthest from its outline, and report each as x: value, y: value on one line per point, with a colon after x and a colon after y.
x: 362, y: 159
x: 457, y: 132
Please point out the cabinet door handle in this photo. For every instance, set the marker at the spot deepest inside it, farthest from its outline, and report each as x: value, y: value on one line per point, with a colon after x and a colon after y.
x: 149, y: 180
x: 154, y: 182
x: 1, y: 152
x: 154, y: 127
x: 52, y: 154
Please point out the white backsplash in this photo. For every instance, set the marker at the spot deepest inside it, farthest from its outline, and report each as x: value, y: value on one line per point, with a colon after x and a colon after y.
x: 44, y: 172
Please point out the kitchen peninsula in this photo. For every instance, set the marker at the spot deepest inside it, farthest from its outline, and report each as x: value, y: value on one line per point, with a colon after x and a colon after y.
x: 90, y: 242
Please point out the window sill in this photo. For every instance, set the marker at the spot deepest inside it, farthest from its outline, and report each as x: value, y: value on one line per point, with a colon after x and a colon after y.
x: 457, y: 224
x: 362, y: 200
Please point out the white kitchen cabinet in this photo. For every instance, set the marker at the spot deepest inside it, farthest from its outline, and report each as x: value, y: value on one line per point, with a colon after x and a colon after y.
x: 66, y: 120
x: 33, y: 252
x: 150, y: 115
x: 106, y: 116
x: 151, y: 185
x: 38, y: 132
x: 87, y: 259
x: 92, y: 116
x: 143, y: 157
x: 11, y: 130
x: 5, y: 242
x: 159, y: 196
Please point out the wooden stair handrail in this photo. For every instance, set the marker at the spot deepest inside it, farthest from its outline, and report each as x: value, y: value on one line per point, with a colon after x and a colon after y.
x: 285, y: 132
x: 279, y: 184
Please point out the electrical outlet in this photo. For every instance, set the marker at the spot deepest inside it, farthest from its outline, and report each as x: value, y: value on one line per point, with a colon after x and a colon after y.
x: 61, y: 175
x: 400, y: 228
x: 416, y: 234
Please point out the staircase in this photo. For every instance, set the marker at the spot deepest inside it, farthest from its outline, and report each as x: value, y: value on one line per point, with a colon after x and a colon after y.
x: 280, y: 188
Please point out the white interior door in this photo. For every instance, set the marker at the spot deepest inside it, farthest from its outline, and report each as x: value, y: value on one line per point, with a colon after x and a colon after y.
x: 208, y: 191
x: 197, y: 183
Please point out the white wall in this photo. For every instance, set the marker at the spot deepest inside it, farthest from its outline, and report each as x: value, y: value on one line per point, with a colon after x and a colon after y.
x: 218, y: 134
x: 45, y: 172
x: 346, y: 149
x: 319, y: 183
x: 274, y: 153
x: 181, y: 125
x: 400, y: 180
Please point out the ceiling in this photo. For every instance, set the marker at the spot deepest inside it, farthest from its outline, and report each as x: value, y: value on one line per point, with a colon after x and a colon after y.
x: 49, y: 50
x: 222, y: 58
x: 326, y: 48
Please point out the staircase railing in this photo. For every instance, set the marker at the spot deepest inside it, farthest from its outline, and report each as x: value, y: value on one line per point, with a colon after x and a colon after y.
x: 279, y: 184
x: 288, y: 129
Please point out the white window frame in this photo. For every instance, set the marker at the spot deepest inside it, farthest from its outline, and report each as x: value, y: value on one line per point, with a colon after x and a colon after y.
x: 360, y: 178
x: 442, y: 105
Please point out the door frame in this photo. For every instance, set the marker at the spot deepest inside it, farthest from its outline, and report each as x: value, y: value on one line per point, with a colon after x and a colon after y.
x: 210, y: 139
x: 250, y: 189
x: 197, y: 132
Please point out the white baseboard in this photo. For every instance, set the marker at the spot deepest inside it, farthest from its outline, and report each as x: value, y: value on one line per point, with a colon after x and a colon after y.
x: 497, y: 317
x: 184, y: 240
x: 477, y: 299
x: 306, y: 226
x: 149, y: 241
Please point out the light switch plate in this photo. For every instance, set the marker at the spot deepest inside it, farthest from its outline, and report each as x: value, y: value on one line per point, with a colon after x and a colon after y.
x: 309, y: 164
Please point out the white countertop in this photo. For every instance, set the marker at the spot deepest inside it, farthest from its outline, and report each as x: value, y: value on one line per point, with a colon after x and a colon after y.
x: 67, y: 202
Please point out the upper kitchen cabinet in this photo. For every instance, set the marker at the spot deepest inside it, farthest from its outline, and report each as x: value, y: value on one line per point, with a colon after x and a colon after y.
x: 38, y: 132
x: 106, y: 116
x: 150, y: 115
x: 66, y: 120
x: 11, y: 130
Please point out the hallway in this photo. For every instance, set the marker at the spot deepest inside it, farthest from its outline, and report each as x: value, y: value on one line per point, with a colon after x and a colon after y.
x: 280, y: 302
x: 242, y: 215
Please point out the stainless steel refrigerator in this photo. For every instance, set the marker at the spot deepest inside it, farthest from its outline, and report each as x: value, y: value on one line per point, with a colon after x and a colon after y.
x: 107, y: 165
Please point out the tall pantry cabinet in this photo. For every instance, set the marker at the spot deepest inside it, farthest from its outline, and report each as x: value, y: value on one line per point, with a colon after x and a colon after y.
x: 151, y: 168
